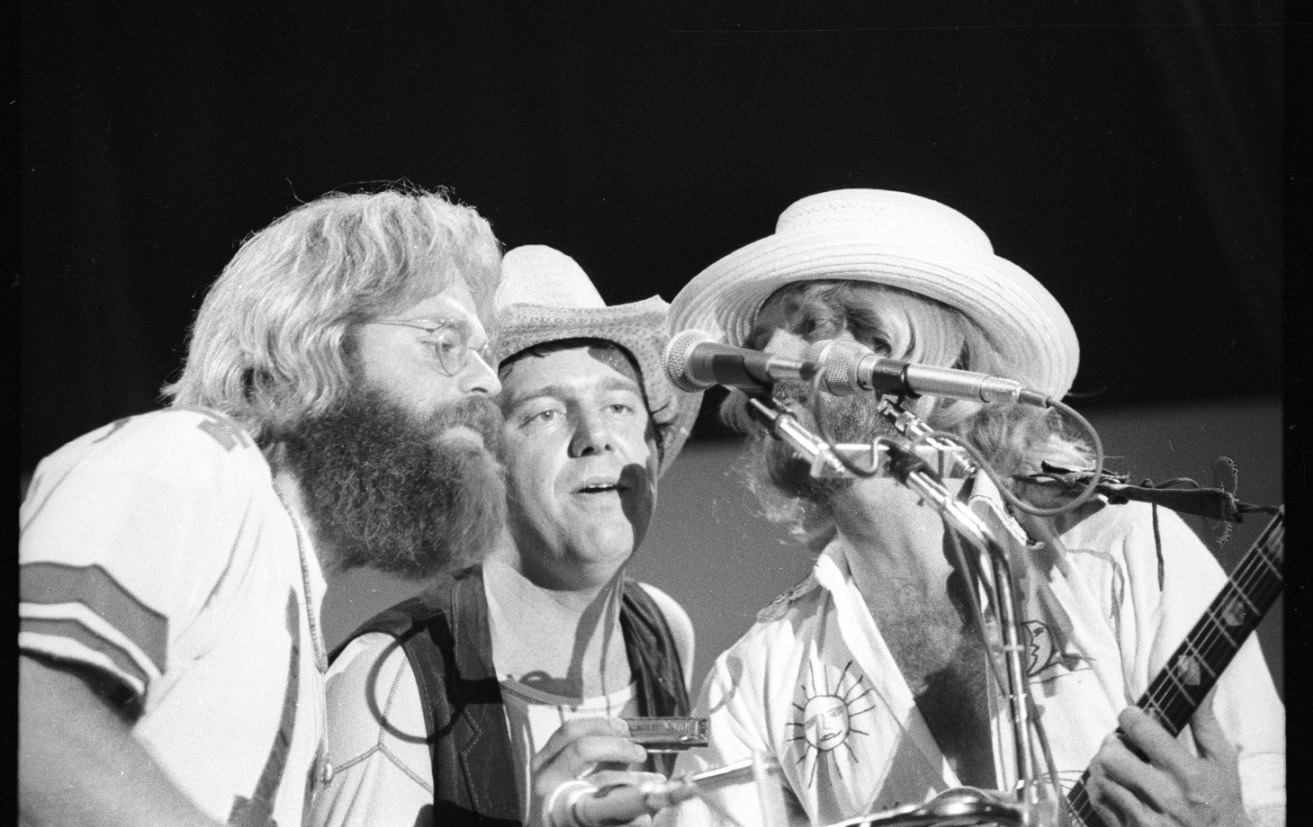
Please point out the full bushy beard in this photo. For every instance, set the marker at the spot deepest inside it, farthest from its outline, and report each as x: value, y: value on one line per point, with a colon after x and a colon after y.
x: 387, y: 490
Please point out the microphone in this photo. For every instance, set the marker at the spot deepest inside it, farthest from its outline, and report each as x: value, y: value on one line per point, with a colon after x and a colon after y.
x: 847, y: 367
x: 580, y: 804
x: 695, y: 361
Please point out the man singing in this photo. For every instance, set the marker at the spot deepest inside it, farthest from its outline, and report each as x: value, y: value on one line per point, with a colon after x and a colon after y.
x: 488, y: 693
x: 864, y: 687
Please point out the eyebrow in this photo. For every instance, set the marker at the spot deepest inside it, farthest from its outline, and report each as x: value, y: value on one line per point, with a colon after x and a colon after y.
x: 443, y: 321
x: 465, y: 328
x: 610, y: 383
x: 615, y: 383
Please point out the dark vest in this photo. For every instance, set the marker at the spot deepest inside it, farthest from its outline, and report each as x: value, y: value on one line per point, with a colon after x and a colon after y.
x: 444, y: 632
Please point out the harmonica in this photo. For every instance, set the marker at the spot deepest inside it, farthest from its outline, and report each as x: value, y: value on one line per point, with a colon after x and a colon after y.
x: 668, y: 734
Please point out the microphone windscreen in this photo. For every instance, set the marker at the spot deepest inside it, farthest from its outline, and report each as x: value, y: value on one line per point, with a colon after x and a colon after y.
x: 678, y: 353
x: 837, y: 362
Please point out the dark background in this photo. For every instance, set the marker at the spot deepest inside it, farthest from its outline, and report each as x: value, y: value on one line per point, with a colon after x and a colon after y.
x: 1137, y: 157
x: 1129, y: 155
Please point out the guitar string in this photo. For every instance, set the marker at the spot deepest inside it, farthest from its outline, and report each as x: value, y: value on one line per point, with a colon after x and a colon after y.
x: 1245, y: 577
x: 1215, y: 640
x: 1250, y: 575
x: 1170, y: 704
x: 1269, y: 553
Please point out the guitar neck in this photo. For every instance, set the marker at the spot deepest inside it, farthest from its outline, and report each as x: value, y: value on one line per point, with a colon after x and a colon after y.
x: 1194, y: 668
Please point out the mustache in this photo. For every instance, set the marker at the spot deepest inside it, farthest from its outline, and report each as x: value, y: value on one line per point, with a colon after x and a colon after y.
x: 792, y: 392
x: 854, y: 418
x: 477, y: 412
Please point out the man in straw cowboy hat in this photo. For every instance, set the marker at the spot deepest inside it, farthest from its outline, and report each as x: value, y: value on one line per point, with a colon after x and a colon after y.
x: 499, y: 685
x: 865, y: 686
x: 330, y: 415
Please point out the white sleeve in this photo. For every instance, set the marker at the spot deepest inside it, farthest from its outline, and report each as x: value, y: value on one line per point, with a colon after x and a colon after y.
x: 1246, y: 701
x: 382, y: 772
x: 733, y: 735
x: 125, y: 535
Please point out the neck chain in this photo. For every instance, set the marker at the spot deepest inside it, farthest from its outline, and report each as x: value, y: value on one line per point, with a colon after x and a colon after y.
x: 316, y: 634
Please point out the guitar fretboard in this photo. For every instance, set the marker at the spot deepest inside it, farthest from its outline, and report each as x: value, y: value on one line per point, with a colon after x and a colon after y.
x: 1195, y: 666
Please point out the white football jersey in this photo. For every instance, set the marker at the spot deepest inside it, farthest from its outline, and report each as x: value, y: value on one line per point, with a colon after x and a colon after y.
x: 157, y: 550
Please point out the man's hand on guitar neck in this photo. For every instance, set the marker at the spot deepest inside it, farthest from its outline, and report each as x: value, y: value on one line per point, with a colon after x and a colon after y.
x: 1144, y: 776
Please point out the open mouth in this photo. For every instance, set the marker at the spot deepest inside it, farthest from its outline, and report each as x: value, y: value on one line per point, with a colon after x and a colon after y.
x: 601, y: 488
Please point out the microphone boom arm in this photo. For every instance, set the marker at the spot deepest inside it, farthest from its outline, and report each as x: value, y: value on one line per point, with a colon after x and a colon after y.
x: 994, y: 571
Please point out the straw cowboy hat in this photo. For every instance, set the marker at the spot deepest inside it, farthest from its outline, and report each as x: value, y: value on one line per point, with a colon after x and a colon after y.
x: 900, y: 240
x: 545, y: 296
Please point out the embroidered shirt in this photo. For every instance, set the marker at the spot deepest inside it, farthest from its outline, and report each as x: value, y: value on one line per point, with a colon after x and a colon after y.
x: 813, y: 689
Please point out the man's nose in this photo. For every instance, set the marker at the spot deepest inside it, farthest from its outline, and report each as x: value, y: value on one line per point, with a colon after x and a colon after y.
x: 592, y: 435
x: 477, y: 376
x: 786, y: 344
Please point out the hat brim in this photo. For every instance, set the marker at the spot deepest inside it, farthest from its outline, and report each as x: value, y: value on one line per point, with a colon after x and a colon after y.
x: 1021, y: 318
x: 639, y: 327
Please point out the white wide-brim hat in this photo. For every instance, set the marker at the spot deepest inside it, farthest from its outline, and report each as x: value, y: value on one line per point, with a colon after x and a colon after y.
x: 900, y: 240
x: 545, y: 296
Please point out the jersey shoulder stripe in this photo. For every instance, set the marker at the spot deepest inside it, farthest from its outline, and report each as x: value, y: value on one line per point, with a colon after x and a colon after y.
x: 33, y: 629
x: 48, y: 583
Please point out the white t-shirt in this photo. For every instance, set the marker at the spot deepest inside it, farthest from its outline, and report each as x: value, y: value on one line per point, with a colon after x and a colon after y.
x: 156, y: 549
x: 534, y: 716
x: 382, y: 768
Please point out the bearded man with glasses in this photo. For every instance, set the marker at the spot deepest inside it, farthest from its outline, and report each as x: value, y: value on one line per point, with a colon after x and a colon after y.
x: 333, y: 412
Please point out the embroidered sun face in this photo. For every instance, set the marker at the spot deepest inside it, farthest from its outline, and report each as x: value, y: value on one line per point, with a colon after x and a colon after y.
x: 824, y: 720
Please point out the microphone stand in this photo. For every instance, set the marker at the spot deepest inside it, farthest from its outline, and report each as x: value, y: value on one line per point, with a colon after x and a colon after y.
x: 784, y: 426
x: 832, y: 461
x: 992, y: 569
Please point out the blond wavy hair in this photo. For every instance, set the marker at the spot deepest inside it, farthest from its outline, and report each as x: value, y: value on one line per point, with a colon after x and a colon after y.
x: 272, y: 342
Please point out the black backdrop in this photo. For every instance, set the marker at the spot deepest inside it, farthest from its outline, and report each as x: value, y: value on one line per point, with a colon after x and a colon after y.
x: 1130, y: 155
x: 1138, y: 157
